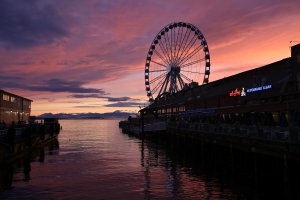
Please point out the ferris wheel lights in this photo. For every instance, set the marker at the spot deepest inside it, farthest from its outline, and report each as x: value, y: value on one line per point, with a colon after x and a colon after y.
x: 207, y: 56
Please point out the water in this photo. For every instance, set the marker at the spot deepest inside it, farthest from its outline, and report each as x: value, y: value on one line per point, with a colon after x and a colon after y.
x: 95, y: 160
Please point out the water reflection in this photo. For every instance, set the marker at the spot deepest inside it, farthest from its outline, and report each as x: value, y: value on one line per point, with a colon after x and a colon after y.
x: 195, y: 170
x: 177, y: 169
x: 94, y: 160
x: 7, y: 170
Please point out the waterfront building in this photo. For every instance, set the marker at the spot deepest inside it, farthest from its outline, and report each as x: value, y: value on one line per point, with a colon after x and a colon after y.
x: 269, y: 94
x: 14, y: 108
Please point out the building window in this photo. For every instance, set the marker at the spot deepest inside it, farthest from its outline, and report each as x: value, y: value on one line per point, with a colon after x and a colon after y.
x: 12, y: 99
x: 19, y: 102
x: 25, y: 103
x: 181, y: 108
x: 5, y: 97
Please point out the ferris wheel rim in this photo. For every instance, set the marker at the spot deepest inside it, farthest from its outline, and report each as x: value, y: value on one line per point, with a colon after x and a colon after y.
x: 177, y: 65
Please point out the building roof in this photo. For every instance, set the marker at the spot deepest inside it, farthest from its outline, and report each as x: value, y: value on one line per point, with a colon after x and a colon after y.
x: 9, y: 93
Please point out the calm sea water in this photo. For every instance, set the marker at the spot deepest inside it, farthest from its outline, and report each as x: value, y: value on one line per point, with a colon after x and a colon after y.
x: 95, y: 160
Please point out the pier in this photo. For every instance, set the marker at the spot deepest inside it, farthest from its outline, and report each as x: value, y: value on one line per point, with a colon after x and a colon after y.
x: 256, y: 111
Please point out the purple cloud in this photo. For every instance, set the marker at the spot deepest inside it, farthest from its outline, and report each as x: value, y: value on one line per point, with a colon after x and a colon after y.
x: 52, y: 85
x: 124, y: 104
x: 101, y: 96
x: 29, y: 23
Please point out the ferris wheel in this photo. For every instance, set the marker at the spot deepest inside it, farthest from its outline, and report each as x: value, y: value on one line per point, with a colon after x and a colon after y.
x: 177, y: 56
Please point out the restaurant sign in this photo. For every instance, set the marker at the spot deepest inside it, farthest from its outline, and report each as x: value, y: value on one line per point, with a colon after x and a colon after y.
x: 242, y: 92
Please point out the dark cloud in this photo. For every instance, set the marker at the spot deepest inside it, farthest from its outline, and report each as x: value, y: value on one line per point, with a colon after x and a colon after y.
x: 81, y: 96
x: 124, y: 104
x: 100, y: 96
x: 52, y: 85
x: 89, y: 106
x: 59, y: 85
x: 117, y: 99
x: 30, y: 23
x: 9, y: 78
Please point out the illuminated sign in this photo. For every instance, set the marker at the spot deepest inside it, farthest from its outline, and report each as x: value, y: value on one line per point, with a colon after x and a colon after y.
x: 243, y: 93
x: 265, y: 87
x: 235, y: 92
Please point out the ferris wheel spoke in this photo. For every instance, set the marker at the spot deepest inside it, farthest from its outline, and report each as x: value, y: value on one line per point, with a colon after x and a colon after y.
x: 183, y: 60
x: 186, y: 78
x: 157, y: 86
x: 173, y: 42
x: 163, y: 48
x: 161, y: 57
x: 163, y: 85
x: 176, y: 44
x: 181, y: 41
x: 172, y: 45
x: 162, y: 70
x: 166, y: 46
x: 167, y: 83
x: 192, y: 63
x: 157, y: 78
x: 187, y: 49
x: 169, y: 47
x: 181, y: 82
x: 185, y: 40
x: 191, y: 72
x: 158, y: 63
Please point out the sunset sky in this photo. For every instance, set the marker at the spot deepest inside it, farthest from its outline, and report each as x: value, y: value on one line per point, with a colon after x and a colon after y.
x: 77, y: 56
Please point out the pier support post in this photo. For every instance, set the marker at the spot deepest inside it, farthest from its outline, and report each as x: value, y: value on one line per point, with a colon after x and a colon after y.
x: 142, y: 121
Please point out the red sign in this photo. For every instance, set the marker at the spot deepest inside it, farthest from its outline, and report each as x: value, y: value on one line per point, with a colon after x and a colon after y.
x: 235, y: 92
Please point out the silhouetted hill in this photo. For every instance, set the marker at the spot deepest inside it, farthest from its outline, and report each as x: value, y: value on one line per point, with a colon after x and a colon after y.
x: 115, y: 114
